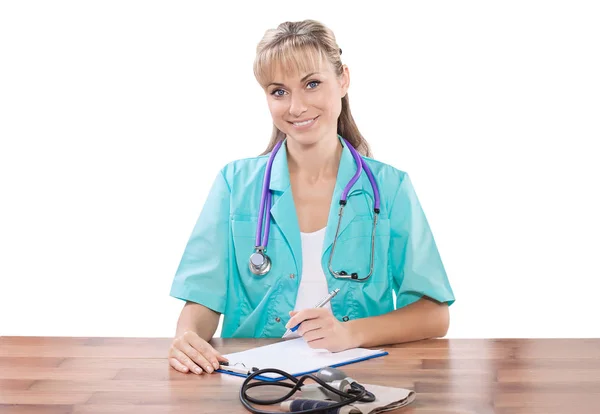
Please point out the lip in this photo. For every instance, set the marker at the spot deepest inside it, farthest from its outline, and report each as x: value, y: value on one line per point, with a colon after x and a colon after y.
x: 305, y: 126
x: 305, y: 119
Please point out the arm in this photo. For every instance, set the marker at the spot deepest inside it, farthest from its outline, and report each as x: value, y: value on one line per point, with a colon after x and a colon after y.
x: 199, y: 319
x: 423, y: 319
x: 202, y: 276
x: 190, y: 350
x: 201, y: 280
x: 423, y: 292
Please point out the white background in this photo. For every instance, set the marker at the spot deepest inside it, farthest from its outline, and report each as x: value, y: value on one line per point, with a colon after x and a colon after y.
x: 115, y: 117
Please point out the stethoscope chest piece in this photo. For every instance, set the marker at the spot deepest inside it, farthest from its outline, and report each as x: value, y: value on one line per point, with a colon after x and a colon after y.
x: 259, y: 263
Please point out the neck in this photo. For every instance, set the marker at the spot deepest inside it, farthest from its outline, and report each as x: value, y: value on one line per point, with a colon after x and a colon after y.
x: 316, y: 161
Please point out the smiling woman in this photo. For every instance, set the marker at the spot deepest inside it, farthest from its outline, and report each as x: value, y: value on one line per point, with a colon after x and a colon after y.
x: 334, y: 218
x: 306, y: 50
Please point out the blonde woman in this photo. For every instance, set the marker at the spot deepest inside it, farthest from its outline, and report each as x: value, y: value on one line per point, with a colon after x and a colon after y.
x: 313, y: 214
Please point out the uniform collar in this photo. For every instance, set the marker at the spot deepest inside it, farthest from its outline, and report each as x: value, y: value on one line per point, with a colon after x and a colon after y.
x: 280, y: 175
x: 283, y: 210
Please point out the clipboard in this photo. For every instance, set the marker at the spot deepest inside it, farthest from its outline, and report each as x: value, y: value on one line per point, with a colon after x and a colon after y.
x: 292, y: 356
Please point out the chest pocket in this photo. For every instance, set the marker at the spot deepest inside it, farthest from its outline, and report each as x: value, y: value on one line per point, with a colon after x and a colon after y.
x: 353, y: 249
x: 353, y: 254
x: 253, y: 287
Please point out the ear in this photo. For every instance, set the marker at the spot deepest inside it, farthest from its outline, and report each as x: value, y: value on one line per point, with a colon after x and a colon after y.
x: 345, y: 80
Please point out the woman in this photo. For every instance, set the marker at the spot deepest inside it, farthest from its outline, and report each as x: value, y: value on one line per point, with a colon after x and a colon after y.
x: 300, y: 69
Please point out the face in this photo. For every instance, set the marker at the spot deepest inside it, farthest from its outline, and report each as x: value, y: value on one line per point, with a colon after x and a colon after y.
x: 315, y: 97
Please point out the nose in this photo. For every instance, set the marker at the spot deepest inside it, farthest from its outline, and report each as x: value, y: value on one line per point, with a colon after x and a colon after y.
x: 297, y: 105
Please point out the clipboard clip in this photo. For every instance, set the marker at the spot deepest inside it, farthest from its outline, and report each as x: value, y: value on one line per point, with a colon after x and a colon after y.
x: 226, y: 366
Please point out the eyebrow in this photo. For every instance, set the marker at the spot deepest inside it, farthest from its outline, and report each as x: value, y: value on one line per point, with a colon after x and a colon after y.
x: 301, y: 80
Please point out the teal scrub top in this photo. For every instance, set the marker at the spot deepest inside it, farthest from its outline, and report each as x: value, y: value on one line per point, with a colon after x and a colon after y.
x: 214, y: 268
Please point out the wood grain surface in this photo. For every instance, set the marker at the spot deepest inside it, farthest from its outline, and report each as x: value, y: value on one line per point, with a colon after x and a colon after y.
x: 53, y: 375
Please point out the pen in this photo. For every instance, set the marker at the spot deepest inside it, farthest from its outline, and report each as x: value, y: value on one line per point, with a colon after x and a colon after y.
x: 322, y: 303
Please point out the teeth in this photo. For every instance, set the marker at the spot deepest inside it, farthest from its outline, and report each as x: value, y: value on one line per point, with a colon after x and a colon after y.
x: 304, y: 123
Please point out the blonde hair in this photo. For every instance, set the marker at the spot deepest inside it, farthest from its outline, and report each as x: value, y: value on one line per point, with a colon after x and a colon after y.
x: 300, y: 47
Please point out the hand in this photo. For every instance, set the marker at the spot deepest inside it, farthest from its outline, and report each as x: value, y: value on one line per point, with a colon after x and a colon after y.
x: 189, y: 352
x: 321, y: 330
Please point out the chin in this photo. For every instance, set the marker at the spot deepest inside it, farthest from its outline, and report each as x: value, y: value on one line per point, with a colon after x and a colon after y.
x: 304, y: 139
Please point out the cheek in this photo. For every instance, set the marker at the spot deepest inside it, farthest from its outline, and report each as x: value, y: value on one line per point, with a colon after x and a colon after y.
x: 336, y: 106
x: 330, y: 105
x: 275, y: 108
x: 278, y: 112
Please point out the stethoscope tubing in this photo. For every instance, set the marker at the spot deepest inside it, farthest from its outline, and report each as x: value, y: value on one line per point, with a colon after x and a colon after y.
x: 265, y: 202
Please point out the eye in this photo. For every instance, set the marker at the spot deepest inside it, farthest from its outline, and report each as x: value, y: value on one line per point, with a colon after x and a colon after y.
x: 277, y: 95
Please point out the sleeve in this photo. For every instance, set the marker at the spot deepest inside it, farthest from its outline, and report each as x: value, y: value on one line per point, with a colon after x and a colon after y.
x: 202, y: 274
x: 417, y: 268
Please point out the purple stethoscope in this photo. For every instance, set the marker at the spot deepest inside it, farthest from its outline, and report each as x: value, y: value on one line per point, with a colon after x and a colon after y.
x: 260, y: 263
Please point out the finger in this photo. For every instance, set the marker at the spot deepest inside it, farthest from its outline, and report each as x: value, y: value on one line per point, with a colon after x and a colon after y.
x: 185, y: 360
x: 318, y: 344
x: 314, y: 335
x: 309, y: 325
x: 198, y: 357
x: 296, y: 318
x: 178, y: 365
x: 217, y: 354
x: 304, y: 315
x: 209, y: 353
x: 204, y: 352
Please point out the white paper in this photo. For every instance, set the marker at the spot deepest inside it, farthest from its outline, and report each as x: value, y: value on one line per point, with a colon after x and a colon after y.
x: 295, y: 357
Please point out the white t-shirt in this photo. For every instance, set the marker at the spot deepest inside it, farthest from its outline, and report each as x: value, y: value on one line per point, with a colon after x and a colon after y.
x: 313, y: 284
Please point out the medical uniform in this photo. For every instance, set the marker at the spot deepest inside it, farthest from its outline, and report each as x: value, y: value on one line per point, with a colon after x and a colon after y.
x: 214, y: 268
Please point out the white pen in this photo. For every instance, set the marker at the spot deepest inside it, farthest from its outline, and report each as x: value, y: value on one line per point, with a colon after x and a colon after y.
x: 321, y: 303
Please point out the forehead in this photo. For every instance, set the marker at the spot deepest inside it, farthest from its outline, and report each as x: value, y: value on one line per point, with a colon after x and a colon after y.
x: 292, y: 66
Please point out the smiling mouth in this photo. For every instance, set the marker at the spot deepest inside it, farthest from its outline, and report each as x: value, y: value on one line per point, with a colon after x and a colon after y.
x: 303, y: 123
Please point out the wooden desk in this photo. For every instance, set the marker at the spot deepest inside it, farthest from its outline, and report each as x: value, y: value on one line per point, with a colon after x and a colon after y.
x: 115, y: 375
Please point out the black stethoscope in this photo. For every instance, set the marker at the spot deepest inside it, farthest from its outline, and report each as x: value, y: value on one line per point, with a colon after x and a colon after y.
x: 260, y: 263
x: 334, y: 383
